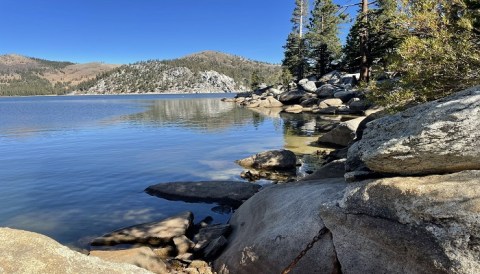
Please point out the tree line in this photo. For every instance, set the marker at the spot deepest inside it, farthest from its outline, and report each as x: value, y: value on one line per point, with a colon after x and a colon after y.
x: 432, y: 45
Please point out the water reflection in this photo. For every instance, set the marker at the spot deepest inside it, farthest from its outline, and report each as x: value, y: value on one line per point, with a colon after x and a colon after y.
x: 201, y: 114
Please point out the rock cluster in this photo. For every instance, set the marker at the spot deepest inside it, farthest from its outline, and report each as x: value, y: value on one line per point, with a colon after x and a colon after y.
x: 331, y: 94
x: 424, y: 217
x: 172, y: 244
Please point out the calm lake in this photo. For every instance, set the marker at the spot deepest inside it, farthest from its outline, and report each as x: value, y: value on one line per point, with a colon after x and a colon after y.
x: 75, y: 167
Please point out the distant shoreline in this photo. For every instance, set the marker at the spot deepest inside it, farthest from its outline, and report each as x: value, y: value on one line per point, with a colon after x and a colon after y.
x: 116, y: 94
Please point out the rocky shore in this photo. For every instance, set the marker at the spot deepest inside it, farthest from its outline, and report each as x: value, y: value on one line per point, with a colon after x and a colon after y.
x: 400, y: 194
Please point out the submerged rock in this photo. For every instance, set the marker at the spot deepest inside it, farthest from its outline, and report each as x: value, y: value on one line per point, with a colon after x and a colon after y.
x: 154, y: 233
x: 232, y: 193
x: 28, y: 252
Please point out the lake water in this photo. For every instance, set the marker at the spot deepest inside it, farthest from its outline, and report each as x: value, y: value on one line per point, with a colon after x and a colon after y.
x: 75, y: 167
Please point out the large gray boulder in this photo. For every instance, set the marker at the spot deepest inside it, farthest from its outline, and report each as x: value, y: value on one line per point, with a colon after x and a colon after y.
x: 308, y: 86
x: 343, y: 134
x: 436, y: 137
x: 271, y: 160
x: 408, y: 225
x: 271, y: 228
x: 28, y: 252
x: 154, y: 233
x: 326, y: 91
x: 232, y: 193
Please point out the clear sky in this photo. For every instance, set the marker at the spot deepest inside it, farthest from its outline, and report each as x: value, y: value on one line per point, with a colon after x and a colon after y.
x: 125, y: 31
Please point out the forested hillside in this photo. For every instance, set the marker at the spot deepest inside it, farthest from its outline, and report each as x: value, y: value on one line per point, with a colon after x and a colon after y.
x: 207, y: 71
x: 20, y: 75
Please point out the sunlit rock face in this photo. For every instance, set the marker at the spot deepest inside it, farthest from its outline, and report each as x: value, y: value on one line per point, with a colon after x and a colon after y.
x: 28, y: 252
x: 437, y: 137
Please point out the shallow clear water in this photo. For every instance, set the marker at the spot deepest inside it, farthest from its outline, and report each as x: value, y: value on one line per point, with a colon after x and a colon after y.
x: 75, y: 167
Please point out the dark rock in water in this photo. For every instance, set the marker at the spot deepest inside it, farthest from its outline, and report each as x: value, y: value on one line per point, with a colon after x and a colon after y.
x: 214, y: 248
x: 209, y: 233
x: 154, y: 233
x: 335, y: 169
x: 231, y: 193
x: 291, y: 97
x: 271, y: 160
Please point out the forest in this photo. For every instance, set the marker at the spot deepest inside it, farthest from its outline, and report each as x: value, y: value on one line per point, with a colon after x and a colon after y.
x: 406, y: 51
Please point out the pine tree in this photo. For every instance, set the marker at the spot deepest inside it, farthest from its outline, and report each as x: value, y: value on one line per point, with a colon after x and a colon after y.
x: 384, y: 37
x: 296, y: 47
x: 300, y: 14
x: 323, y: 35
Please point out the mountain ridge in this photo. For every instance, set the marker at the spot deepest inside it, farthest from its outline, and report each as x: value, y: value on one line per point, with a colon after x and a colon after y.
x: 204, y: 71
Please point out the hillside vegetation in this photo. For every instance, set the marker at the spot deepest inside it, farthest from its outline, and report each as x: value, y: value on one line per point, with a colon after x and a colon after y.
x: 207, y: 71
x: 20, y: 75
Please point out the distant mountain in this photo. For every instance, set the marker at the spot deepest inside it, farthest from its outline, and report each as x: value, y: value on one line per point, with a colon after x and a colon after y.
x: 207, y: 71
x: 21, y: 75
x: 204, y: 72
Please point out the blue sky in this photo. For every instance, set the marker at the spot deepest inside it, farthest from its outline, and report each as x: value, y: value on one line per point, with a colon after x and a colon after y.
x: 125, y: 31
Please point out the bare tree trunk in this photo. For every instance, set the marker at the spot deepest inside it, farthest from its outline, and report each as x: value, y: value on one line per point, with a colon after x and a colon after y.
x: 301, y: 18
x: 364, y: 68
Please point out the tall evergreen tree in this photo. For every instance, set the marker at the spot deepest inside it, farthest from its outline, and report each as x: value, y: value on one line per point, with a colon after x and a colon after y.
x: 384, y: 36
x: 323, y: 35
x: 296, y: 47
x: 299, y: 17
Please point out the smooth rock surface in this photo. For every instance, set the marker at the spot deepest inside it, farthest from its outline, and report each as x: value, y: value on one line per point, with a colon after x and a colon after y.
x: 333, y: 102
x: 270, y: 102
x: 232, y: 193
x: 343, y: 134
x: 271, y: 228
x: 308, y: 86
x: 28, y: 252
x: 436, y: 137
x: 142, y: 257
x: 417, y: 224
x: 294, y: 109
x: 153, y: 233
x: 271, y: 160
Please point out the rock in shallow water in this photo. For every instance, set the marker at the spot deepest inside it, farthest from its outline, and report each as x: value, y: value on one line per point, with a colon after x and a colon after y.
x: 154, y: 233
x: 271, y: 160
x: 232, y: 193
